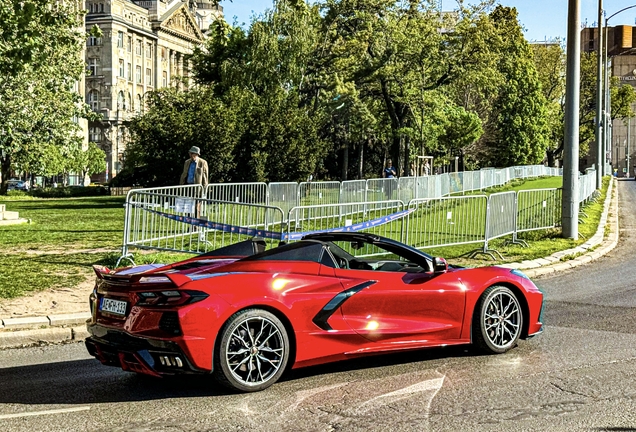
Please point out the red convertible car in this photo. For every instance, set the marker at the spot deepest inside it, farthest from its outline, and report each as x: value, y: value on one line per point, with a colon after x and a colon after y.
x: 245, y: 314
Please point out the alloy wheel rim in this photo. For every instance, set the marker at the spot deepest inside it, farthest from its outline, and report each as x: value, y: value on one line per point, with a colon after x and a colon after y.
x: 502, y: 319
x: 254, y: 351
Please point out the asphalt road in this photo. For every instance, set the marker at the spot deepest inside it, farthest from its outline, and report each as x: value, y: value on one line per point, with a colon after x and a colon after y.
x: 580, y: 375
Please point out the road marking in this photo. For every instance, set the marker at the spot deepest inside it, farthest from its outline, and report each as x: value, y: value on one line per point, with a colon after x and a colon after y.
x: 39, y: 413
x: 430, y: 387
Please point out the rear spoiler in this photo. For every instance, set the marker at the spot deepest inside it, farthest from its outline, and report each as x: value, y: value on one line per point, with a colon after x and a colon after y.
x: 104, y: 273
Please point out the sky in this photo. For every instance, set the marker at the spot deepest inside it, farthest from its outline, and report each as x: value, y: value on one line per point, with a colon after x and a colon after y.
x: 542, y: 19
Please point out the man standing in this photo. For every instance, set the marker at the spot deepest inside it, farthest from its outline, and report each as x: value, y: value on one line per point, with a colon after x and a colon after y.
x: 389, y: 172
x: 195, y: 170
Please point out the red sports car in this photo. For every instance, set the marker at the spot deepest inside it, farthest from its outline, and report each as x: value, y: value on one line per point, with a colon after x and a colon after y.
x: 246, y: 314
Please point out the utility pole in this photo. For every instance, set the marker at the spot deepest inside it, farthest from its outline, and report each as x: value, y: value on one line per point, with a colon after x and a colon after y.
x: 570, y: 205
x: 599, y: 99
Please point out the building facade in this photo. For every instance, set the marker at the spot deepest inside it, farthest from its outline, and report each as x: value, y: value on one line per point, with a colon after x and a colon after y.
x: 621, y: 54
x: 143, y: 47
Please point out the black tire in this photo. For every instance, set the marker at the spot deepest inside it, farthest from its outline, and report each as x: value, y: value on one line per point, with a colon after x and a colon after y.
x: 497, y: 321
x: 252, y: 351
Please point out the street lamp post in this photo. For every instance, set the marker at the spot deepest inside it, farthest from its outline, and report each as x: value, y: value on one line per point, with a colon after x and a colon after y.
x: 600, y: 165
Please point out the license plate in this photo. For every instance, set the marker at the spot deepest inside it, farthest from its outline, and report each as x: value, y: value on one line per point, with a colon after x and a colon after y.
x: 116, y: 307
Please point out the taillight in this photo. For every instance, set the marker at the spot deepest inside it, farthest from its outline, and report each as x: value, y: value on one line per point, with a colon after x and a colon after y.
x: 168, y: 298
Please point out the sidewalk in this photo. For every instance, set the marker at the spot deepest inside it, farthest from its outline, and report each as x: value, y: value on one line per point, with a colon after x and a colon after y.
x: 19, y: 330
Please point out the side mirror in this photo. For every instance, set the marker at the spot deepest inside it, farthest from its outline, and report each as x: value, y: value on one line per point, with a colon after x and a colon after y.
x: 439, y: 265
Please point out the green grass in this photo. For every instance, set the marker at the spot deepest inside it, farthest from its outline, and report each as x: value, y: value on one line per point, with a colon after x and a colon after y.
x: 75, y: 223
x: 22, y: 273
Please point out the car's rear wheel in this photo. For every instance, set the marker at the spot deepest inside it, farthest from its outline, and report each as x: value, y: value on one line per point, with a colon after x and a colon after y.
x: 497, y: 321
x: 253, y: 351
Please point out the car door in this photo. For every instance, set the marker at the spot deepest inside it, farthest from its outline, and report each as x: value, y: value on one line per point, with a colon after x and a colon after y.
x: 401, y: 307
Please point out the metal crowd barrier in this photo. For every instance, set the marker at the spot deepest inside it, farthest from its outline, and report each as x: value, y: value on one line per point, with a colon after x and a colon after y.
x: 501, y: 219
x: 327, y: 192
x: 538, y: 209
x: 447, y: 221
x: 251, y: 193
x: 161, y: 219
x: 283, y: 195
x: 439, y: 216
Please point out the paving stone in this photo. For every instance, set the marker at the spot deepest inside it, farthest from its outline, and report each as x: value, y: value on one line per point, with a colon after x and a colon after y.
x: 539, y: 271
x: 25, y: 323
x: 562, y: 266
x: 69, y: 319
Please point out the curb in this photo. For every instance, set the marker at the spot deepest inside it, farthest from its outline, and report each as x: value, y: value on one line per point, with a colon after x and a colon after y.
x: 30, y: 331
x: 599, y: 245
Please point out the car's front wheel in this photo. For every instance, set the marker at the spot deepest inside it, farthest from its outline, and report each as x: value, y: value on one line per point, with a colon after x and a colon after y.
x: 253, y: 351
x: 497, y: 321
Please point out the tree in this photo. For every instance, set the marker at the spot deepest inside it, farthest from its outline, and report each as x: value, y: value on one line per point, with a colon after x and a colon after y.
x: 248, y: 113
x: 175, y: 121
x: 40, y: 63
x: 518, y: 122
x: 550, y: 64
x: 549, y: 61
x: 90, y: 161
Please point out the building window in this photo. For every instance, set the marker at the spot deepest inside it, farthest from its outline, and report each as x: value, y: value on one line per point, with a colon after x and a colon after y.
x: 138, y: 74
x: 138, y: 47
x: 140, y: 102
x: 163, y: 54
x: 94, y: 41
x: 101, y: 7
x: 95, y: 134
x: 148, y: 50
x: 121, y: 69
x: 129, y: 44
x: 129, y: 69
x: 92, y: 66
x: 121, y: 101
x: 148, y: 76
x: 130, y: 101
x: 164, y: 79
x: 93, y: 99
x: 90, y: 9
x: 120, y: 39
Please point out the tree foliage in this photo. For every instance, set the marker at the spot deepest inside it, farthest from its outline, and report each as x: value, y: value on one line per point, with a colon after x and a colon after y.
x: 550, y: 65
x: 40, y: 65
x: 336, y: 87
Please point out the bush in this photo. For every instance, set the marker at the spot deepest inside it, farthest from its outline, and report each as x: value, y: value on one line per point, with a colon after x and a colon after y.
x: 17, y: 193
x: 70, y: 192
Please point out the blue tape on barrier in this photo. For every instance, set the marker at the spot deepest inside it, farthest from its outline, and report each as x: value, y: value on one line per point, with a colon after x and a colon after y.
x: 218, y: 226
x: 277, y: 235
x: 352, y: 228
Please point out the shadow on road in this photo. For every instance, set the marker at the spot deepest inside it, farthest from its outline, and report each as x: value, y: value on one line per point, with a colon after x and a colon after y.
x: 88, y: 382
